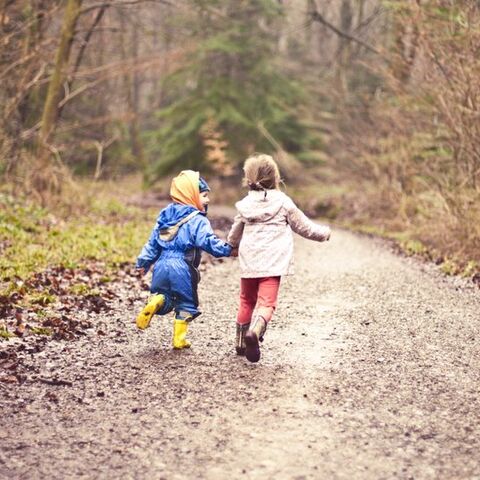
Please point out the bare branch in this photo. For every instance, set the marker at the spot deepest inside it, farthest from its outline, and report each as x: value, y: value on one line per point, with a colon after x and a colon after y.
x: 101, y: 146
x: 120, y: 3
x: 23, y: 27
x: 78, y: 61
x: 318, y: 17
x: 87, y: 37
x: 116, y: 69
x: 103, y: 120
x: 365, y: 23
x: 23, y: 92
x: 18, y: 63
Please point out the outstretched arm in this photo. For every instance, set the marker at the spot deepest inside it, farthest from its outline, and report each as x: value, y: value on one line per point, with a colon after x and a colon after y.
x: 302, y: 225
x: 208, y: 241
x: 150, y: 252
x: 236, y: 231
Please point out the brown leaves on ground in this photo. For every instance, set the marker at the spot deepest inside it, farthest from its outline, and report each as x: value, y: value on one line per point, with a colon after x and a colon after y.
x: 49, y: 302
x: 9, y: 365
x: 64, y: 303
x: 59, y: 303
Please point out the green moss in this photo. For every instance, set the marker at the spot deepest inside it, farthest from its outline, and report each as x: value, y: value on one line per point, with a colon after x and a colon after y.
x: 449, y: 267
x: 83, y: 289
x: 5, y: 334
x: 470, y: 269
x: 43, y: 298
x: 414, y: 247
x: 41, y: 331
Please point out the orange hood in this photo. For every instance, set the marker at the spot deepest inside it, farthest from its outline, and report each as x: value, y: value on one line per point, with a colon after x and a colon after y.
x: 185, y: 189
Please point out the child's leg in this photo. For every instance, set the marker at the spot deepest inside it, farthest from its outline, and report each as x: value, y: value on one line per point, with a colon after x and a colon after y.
x: 267, y: 296
x: 185, y: 284
x: 248, y: 299
x: 266, y: 304
x: 183, y: 316
x: 180, y: 329
x: 160, y: 303
x: 241, y: 331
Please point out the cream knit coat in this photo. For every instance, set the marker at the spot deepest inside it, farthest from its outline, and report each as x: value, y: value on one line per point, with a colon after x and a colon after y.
x: 263, y: 232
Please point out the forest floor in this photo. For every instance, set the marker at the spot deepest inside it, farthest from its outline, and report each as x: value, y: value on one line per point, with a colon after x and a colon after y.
x: 369, y: 370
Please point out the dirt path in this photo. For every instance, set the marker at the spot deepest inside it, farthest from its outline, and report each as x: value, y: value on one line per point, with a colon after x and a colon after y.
x: 371, y: 370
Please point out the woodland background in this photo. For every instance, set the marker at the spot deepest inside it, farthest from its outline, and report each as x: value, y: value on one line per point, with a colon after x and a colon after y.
x: 372, y: 108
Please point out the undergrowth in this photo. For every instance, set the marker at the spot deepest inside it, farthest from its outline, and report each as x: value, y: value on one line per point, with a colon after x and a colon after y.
x: 102, y: 228
x: 414, y: 229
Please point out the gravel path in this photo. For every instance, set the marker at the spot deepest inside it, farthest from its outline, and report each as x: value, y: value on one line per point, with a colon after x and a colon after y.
x: 370, y: 370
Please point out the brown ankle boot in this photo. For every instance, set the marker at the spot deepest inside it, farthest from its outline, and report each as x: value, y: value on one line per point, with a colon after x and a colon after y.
x: 240, y: 338
x: 253, y: 336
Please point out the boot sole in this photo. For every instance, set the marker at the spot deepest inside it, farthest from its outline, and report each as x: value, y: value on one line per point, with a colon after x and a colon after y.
x: 182, y: 346
x: 252, y: 348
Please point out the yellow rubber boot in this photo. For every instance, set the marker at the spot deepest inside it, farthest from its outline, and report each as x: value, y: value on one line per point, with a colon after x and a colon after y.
x: 180, y: 329
x: 145, y: 316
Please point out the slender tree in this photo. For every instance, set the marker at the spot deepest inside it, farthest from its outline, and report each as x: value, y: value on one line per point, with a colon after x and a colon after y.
x: 45, y: 176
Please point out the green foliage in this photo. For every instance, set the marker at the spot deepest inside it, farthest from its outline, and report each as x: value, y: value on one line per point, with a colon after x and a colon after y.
x: 83, y: 289
x: 414, y: 247
x: 230, y: 77
x: 31, y: 240
x: 5, y: 334
x: 42, y: 298
x: 471, y: 268
x: 455, y: 266
x: 41, y: 331
x: 449, y: 267
x: 396, y: 5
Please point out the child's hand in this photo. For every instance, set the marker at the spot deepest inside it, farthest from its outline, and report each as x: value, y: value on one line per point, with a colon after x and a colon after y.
x: 141, y: 270
x: 234, y: 252
x: 327, y: 234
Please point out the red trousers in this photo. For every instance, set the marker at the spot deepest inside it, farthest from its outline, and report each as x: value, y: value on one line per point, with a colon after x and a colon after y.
x: 258, y: 294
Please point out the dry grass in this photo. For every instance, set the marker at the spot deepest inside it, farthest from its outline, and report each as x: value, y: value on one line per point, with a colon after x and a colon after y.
x: 412, y: 161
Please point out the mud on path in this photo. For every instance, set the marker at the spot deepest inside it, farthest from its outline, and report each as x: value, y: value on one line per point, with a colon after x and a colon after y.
x: 370, y: 370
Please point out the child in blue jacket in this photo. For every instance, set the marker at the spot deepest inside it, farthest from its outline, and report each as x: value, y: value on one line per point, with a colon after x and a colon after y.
x: 174, y: 249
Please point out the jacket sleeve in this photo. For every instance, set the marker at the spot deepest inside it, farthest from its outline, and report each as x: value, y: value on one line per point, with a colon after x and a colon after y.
x: 302, y: 225
x: 236, y: 231
x: 150, y: 251
x: 208, y: 241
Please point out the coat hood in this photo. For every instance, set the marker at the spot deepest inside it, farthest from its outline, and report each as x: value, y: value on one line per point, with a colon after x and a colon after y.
x: 172, y: 214
x: 261, y: 206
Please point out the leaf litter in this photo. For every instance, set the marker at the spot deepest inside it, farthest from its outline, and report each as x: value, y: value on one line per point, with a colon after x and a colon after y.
x: 64, y: 303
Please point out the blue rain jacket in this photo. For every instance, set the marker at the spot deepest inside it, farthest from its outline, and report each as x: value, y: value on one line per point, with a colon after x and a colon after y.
x: 176, y: 261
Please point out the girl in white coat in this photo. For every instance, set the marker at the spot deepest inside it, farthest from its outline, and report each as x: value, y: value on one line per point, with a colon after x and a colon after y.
x: 262, y: 231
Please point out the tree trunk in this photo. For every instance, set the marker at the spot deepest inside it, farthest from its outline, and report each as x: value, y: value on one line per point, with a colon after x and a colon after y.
x: 46, y: 177
x: 406, y: 38
x: 132, y: 91
x: 30, y: 108
x: 346, y: 18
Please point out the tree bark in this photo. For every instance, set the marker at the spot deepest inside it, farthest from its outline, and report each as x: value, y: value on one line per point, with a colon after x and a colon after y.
x: 62, y: 57
x: 46, y: 176
x: 132, y: 91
